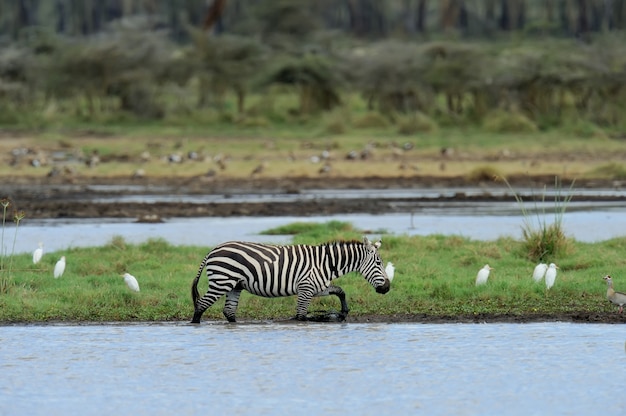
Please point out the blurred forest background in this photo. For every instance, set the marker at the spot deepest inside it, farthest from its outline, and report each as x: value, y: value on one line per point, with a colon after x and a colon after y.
x: 506, y: 65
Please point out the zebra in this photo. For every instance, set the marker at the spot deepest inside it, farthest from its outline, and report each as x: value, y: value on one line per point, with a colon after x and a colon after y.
x: 273, y: 271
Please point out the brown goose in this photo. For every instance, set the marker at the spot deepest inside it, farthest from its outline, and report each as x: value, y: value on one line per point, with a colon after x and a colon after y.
x: 616, y: 298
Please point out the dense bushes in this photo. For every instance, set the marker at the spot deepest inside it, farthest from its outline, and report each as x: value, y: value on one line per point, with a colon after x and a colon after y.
x: 136, y: 70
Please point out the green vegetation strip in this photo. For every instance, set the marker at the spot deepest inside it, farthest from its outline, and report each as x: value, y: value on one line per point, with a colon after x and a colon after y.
x: 434, y: 278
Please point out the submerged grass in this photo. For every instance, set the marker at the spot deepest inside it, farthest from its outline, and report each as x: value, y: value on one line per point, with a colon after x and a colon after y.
x: 434, y: 276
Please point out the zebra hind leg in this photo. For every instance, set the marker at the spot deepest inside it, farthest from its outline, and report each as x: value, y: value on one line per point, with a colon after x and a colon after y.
x: 230, y: 305
x: 212, y: 295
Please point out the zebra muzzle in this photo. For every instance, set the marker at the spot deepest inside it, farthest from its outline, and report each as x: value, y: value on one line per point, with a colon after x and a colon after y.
x: 384, y: 288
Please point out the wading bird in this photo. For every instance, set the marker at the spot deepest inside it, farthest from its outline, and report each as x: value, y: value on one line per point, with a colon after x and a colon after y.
x: 539, y: 272
x: 483, y: 275
x: 38, y: 253
x: 390, y: 270
x: 59, y: 268
x: 616, y: 298
x: 551, y: 275
x: 131, y: 282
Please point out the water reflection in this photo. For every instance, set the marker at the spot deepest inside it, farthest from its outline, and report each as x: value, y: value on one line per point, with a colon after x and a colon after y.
x: 312, y: 369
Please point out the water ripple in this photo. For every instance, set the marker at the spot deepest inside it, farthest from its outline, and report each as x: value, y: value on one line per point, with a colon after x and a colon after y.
x: 547, y: 368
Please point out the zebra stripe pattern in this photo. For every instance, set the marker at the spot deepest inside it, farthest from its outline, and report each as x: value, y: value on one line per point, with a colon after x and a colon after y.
x: 273, y: 271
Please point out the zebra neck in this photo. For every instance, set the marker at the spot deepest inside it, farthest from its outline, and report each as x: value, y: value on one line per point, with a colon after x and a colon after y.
x: 343, y: 259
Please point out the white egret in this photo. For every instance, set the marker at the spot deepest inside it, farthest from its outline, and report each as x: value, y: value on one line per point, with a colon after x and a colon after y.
x: 616, y: 298
x: 38, y: 253
x: 390, y: 270
x: 483, y: 275
x: 59, y: 268
x: 131, y: 282
x: 551, y: 275
x: 539, y: 272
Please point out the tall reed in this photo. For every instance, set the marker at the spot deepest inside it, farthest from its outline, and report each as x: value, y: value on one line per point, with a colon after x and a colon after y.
x: 4, y: 278
x: 5, y: 274
x: 543, y: 240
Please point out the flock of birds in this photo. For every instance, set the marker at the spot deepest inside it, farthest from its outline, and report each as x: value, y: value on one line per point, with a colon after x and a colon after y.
x: 541, y: 270
x: 59, y: 269
x: 548, y: 272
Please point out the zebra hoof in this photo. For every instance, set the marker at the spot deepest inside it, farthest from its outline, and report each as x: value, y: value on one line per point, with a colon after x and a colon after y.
x: 196, y: 318
x: 328, y: 317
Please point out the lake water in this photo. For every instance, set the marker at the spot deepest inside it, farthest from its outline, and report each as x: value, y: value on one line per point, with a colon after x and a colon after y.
x: 343, y: 369
x: 60, y: 234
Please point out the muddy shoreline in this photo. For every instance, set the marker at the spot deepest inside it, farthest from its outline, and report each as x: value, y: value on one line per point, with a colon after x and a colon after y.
x: 73, y: 197
x: 580, y: 317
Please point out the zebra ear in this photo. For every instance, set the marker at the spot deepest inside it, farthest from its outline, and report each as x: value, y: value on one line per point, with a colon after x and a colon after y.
x: 366, y: 241
x: 378, y: 244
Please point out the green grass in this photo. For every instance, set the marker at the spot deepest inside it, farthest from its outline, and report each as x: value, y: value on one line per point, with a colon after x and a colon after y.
x: 434, y: 276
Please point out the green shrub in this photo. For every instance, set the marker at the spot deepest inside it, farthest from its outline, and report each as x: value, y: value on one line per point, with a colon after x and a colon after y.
x: 417, y: 123
x: 372, y: 119
x: 500, y: 121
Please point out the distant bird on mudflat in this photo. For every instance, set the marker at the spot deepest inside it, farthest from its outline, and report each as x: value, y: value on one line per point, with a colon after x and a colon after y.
x: 131, y: 282
x: 59, y: 268
x: 259, y: 169
x: 616, y: 298
x: 483, y: 275
x: 390, y: 270
x: 539, y: 272
x: 38, y: 254
x: 324, y: 169
x: 551, y: 275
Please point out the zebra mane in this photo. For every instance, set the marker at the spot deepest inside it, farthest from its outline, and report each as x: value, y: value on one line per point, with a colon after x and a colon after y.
x: 341, y: 243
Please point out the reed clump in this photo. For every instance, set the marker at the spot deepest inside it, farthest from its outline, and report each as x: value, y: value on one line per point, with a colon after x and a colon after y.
x: 544, y: 241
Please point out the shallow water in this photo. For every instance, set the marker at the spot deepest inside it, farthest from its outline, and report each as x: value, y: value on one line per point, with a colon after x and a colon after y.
x: 343, y: 369
x: 588, y: 226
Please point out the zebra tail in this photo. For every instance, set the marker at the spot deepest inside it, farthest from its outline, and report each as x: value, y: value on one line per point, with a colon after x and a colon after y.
x: 194, y: 285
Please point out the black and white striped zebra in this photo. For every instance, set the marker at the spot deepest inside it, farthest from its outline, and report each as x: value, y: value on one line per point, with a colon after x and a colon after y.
x: 273, y: 271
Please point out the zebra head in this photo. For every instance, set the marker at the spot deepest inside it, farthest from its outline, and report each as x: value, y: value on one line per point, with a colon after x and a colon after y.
x: 372, y: 267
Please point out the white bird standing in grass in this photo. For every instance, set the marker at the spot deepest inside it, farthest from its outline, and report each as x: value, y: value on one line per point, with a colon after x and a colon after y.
x: 616, y: 298
x: 483, y: 275
x: 390, y: 270
x: 38, y: 254
x: 131, y: 282
x: 59, y: 268
x: 551, y: 275
x: 539, y: 272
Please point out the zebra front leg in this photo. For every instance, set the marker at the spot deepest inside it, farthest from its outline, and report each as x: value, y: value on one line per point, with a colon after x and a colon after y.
x: 230, y: 306
x: 337, y: 291
x: 304, y: 299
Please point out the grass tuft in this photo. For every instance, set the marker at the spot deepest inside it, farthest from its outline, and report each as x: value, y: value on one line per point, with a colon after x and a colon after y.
x: 483, y: 173
x: 544, y: 242
x: 614, y: 170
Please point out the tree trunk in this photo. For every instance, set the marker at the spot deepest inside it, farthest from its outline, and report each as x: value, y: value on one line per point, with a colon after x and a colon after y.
x: 422, y: 11
x: 214, y: 14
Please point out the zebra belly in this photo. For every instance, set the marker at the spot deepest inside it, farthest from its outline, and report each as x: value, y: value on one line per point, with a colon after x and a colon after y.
x: 267, y: 291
